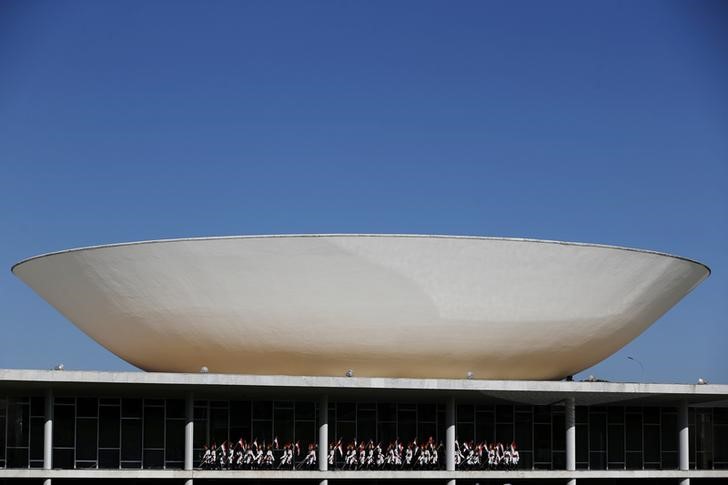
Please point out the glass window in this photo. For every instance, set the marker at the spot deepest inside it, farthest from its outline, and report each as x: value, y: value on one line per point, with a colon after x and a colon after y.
x: 153, y: 427
x: 616, y: 415
x: 407, y: 424
x: 176, y: 408
x: 86, y: 438
x: 37, y: 406
x: 219, y: 425
x: 200, y: 432
x: 366, y: 426
x: 720, y: 440
x: 346, y: 430
x: 524, y: 435
x: 634, y: 461
x: 2, y: 438
x: 240, y: 414
x: 36, y: 438
x: 175, y: 440
x: 559, y: 432
x: 427, y: 412
x: 669, y: 432
x: 425, y: 431
x: 109, y: 427
x: 703, y: 430
x: 541, y: 443
x: 651, y: 415
x: 346, y: 411
x: 387, y: 432
x: 616, y: 443
x: 306, y: 432
x: 504, y: 414
x: 670, y: 460
x: 64, y: 426
x: 108, y: 458
x: 387, y: 411
x: 17, y: 458
x: 634, y: 432
x: 263, y: 410
x: 485, y: 428
x: 597, y: 432
x: 131, y: 440
x: 465, y: 413
x: 131, y: 408
x: 597, y: 460
x: 262, y: 430
x: 63, y: 458
x: 504, y: 433
x: 283, y: 425
x: 87, y: 407
x: 652, y: 444
x: 582, y: 443
x: 305, y: 410
x: 464, y: 432
x: 18, y: 424
x: 541, y: 414
x: 154, y: 459
x: 720, y: 415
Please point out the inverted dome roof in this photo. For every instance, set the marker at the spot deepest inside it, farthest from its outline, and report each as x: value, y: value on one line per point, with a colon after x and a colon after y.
x: 382, y: 305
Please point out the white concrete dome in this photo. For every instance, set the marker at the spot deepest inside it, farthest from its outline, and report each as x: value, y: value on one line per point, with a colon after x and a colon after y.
x: 381, y: 305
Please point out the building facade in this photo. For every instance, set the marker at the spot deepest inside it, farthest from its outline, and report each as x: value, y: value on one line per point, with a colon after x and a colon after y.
x: 73, y: 427
x: 462, y: 340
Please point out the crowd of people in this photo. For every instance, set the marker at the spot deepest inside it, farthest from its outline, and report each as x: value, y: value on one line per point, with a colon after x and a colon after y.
x: 257, y: 456
x: 358, y: 455
x: 489, y: 456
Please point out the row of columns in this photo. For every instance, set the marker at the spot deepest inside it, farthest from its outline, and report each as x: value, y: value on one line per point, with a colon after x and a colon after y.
x: 323, y: 436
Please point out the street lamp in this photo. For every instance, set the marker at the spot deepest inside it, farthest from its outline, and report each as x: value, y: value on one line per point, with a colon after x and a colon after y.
x: 641, y: 366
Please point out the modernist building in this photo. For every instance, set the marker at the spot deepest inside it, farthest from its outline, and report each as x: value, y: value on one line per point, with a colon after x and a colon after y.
x: 316, y: 339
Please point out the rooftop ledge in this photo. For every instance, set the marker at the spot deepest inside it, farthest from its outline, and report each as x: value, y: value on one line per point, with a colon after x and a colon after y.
x: 8, y: 376
x: 290, y: 474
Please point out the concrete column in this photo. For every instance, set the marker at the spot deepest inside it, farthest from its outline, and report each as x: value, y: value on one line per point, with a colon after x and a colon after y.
x: 684, y: 439
x: 570, y: 418
x: 323, y: 435
x: 450, y: 437
x: 189, y: 433
x: 48, y: 434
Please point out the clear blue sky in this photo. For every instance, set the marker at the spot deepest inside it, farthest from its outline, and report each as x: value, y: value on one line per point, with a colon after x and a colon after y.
x: 586, y: 121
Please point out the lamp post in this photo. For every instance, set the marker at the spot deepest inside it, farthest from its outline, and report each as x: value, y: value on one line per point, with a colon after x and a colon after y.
x: 642, y: 367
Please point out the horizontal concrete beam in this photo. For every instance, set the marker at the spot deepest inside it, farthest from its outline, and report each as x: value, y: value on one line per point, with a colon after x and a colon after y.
x: 314, y: 382
x: 354, y: 475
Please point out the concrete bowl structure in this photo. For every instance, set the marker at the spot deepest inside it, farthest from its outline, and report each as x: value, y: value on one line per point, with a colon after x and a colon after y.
x: 380, y: 305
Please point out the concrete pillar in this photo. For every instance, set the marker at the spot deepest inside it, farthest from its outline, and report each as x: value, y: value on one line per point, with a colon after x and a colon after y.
x: 323, y: 435
x: 450, y: 437
x: 48, y: 434
x: 570, y: 418
x: 684, y: 439
x: 189, y: 433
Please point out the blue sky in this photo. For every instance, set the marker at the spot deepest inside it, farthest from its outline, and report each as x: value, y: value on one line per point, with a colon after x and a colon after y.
x: 600, y: 122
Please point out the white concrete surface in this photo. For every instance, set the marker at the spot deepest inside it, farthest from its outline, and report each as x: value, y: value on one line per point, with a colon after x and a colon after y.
x: 391, y: 306
x: 368, y: 475
x: 558, y: 389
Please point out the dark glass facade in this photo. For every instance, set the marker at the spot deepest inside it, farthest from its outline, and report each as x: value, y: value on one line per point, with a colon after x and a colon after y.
x: 131, y: 432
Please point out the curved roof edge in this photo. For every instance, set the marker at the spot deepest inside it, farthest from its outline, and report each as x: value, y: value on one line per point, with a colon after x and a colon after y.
x: 438, y: 236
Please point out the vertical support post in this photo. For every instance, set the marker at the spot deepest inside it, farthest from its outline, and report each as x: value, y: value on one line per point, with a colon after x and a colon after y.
x: 189, y: 433
x: 48, y: 434
x: 323, y: 436
x: 450, y: 437
x: 684, y: 442
x: 570, y: 418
